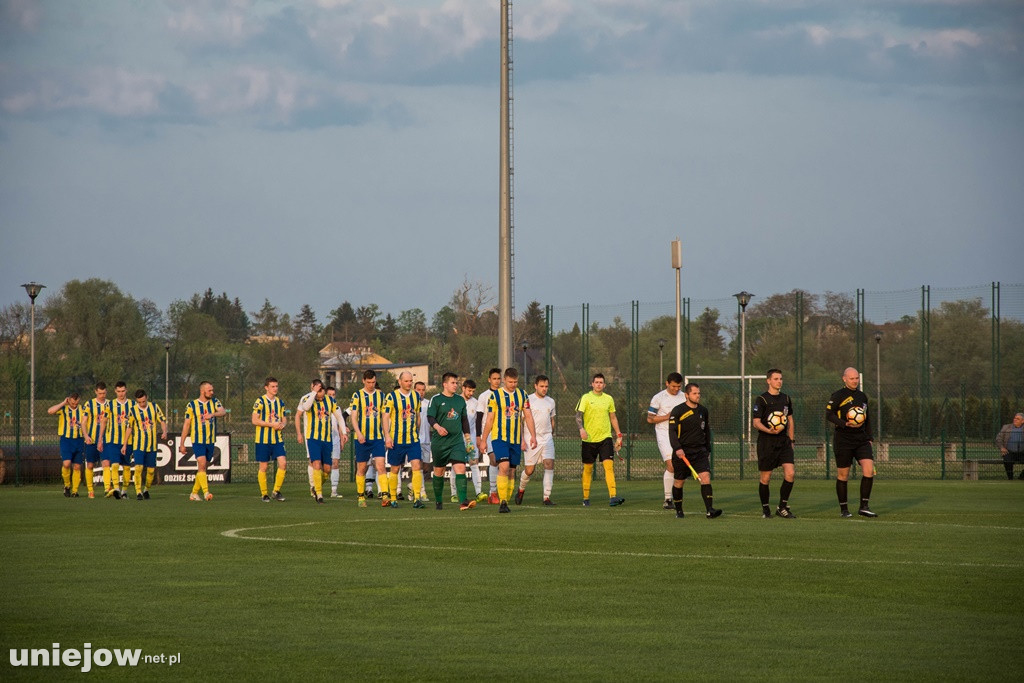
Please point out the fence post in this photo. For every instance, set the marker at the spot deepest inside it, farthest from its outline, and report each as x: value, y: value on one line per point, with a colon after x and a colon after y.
x: 942, y: 451
x: 17, y: 433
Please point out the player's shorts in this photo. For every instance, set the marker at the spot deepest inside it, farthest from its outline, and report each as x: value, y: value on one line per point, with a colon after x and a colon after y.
x: 545, y: 450
x: 664, y: 445
x: 425, y: 454
x: 512, y: 453
x: 203, y: 450
x: 92, y: 454
x: 145, y: 458
x: 399, y: 454
x: 846, y: 453
x: 265, y: 452
x: 371, y: 448
x: 449, y: 454
x: 700, y: 460
x: 72, y: 449
x: 112, y: 452
x: 774, y: 453
x: 591, y: 451
x: 335, y: 449
x: 319, y: 451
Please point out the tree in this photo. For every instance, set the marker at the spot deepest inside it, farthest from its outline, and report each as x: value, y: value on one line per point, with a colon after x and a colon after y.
x: 709, y: 331
x: 266, y: 321
x: 343, y: 322
x: 304, y: 327
x: 366, y: 321
x: 443, y: 324
x: 468, y: 302
x: 227, y: 313
x: 783, y: 305
x: 532, y: 325
x: 840, y: 309
x: 412, y: 322
x: 197, y: 340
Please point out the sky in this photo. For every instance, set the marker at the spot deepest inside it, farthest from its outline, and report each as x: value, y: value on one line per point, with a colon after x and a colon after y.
x: 317, y: 152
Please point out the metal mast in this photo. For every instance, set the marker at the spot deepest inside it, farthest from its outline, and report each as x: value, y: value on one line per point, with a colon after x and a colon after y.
x: 506, y: 300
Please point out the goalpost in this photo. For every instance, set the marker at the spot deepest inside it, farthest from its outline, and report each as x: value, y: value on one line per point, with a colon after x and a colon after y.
x: 746, y: 382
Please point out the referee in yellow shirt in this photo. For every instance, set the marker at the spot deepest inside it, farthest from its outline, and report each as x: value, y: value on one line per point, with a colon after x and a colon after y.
x: 595, y: 416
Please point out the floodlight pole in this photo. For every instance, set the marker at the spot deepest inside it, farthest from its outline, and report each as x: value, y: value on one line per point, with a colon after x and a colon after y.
x: 167, y: 382
x: 677, y: 263
x: 505, y: 349
x: 743, y: 298
x: 661, y: 358
x: 32, y: 288
x: 878, y: 380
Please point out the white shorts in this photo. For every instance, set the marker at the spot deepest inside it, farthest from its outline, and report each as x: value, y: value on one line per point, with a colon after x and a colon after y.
x: 664, y: 446
x: 545, y: 450
x: 335, y: 450
x: 425, y: 454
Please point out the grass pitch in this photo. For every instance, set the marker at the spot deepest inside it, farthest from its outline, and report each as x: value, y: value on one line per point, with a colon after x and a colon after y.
x: 240, y: 588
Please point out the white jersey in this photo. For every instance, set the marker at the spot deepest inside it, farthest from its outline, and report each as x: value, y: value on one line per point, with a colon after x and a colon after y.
x: 662, y: 404
x: 306, y: 402
x: 424, y: 425
x: 481, y: 408
x: 543, y: 410
x: 471, y: 406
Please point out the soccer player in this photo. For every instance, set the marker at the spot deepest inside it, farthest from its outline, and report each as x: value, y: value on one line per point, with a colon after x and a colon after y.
x: 339, y: 435
x: 449, y: 422
x: 97, y: 411
x: 772, y: 415
x: 316, y: 433
x: 144, y: 417
x: 426, y: 455
x: 690, y: 437
x: 507, y: 411
x: 473, y: 468
x: 542, y: 408
x: 657, y: 414
x: 268, y: 418
x: 117, y: 448
x: 852, y: 441
x: 595, y: 416
x: 307, y: 401
x: 200, y: 426
x: 368, y: 432
x: 483, y: 440
x: 401, y: 423
x: 71, y: 425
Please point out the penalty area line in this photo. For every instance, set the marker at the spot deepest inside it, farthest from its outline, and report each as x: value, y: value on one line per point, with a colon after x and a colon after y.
x: 240, y: 534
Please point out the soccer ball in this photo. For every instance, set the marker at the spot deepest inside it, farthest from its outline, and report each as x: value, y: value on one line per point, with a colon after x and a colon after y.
x: 777, y: 420
x: 856, y: 414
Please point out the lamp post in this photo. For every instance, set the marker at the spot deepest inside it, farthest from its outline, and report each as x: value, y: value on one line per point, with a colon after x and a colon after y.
x: 878, y: 380
x: 677, y: 264
x: 743, y: 298
x: 526, y: 372
x: 661, y: 359
x: 227, y: 379
x: 32, y: 288
x: 167, y: 380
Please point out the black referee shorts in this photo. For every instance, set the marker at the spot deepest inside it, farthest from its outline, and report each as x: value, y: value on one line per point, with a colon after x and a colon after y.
x: 700, y: 460
x: 774, y: 454
x: 846, y: 452
x: 591, y: 451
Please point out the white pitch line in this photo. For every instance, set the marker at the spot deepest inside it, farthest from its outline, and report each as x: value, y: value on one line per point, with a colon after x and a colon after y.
x: 238, y: 533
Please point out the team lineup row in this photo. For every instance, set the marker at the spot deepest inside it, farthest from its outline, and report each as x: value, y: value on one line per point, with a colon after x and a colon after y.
x: 501, y: 429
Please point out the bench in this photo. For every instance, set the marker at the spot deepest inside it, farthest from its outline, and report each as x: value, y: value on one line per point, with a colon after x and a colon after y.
x: 971, y: 466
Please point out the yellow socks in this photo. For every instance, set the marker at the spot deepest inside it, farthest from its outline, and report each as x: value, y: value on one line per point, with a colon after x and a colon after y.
x: 65, y: 473
x: 503, y: 488
x: 203, y: 482
x: 318, y: 482
x: 106, y: 479
x: 609, y: 477
x: 150, y: 477
x: 360, y: 485
x: 417, y: 483
x: 588, y: 479
x: 76, y: 480
x: 138, y: 479
x: 393, y: 485
x: 262, y: 478
x: 279, y: 479
x: 88, y: 479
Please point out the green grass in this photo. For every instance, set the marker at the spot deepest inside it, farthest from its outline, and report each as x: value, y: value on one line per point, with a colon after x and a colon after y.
x: 930, y: 590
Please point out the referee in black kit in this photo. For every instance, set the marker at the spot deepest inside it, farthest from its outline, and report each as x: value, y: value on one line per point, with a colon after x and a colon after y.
x: 690, y: 436
x: 848, y: 411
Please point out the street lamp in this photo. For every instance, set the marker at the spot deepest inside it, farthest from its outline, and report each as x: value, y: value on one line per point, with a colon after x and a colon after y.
x: 661, y: 358
x: 743, y: 298
x: 677, y: 264
x: 526, y: 373
x: 167, y: 380
x: 32, y: 288
x: 878, y: 380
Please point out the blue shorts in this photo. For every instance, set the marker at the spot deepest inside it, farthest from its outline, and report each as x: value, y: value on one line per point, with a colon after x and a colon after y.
x: 203, y: 450
x: 112, y: 452
x: 509, y: 452
x: 92, y: 455
x: 72, y: 449
x: 146, y: 459
x: 373, y: 448
x: 398, y: 454
x: 265, y: 452
x: 319, y: 451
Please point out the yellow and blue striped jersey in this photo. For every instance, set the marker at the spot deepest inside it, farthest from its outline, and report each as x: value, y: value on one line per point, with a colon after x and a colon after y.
x: 117, y: 421
x: 403, y: 411
x: 71, y: 422
x: 94, y: 409
x: 318, y: 419
x: 268, y: 410
x: 144, y: 422
x: 202, y: 428
x: 508, y: 415
x: 367, y: 406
